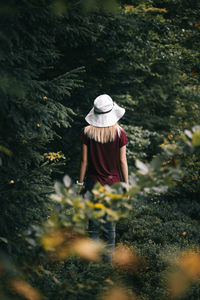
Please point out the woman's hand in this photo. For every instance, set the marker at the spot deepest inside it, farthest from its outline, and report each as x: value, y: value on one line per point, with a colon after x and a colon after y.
x: 125, y: 187
x: 80, y: 190
x: 80, y: 187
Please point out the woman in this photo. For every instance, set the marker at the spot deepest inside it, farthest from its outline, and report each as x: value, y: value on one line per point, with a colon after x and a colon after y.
x: 104, y: 156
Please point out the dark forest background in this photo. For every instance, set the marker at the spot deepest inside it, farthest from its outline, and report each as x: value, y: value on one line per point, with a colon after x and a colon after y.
x: 56, y: 57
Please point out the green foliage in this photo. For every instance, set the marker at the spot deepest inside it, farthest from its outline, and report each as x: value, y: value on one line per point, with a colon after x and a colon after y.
x: 72, y: 211
x: 140, y: 141
x: 56, y: 57
x: 159, y: 228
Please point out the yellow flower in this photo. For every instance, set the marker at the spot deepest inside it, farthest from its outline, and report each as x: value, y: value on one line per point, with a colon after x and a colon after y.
x: 80, y: 205
x: 54, y: 155
x: 128, y: 8
x: 170, y: 136
x: 89, y: 203
x: 99, y: 205
x: 102, y: 189
x: 115, y: 196
x: 101, y: 59
x: 164, y: 163
x: 163, y: 10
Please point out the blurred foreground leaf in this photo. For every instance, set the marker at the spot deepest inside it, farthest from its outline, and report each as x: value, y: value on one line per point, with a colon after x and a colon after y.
x: 25, y: 289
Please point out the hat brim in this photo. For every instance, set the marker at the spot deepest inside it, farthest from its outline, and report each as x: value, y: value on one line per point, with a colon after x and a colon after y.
x: 107, y: 119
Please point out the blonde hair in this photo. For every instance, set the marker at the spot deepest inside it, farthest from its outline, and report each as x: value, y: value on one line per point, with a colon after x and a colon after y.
x: 103, y: 134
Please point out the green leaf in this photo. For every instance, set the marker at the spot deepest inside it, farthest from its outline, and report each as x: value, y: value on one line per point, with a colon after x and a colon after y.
x: 67, y: 181
x: 156, y: 162
x: 188, y: 133
x: 141, y: 166
x: 196, y: 139
x: 3, y: 240
x: 5, y: 150
x: 59, y: 7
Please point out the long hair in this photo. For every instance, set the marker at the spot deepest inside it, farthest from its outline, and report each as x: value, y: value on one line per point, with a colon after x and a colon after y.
x: 103, y: 134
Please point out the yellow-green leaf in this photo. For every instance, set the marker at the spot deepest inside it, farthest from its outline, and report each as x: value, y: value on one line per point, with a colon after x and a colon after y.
x: 196, y: 139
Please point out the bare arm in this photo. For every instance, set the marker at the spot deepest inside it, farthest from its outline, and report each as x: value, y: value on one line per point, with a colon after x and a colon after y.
x: 123, y: 164
x: 83, y: 164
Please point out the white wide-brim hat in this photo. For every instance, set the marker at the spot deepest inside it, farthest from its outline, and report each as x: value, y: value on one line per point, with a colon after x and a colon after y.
x: 105, y: 112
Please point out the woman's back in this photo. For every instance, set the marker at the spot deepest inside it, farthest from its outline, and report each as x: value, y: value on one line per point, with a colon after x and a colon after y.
x: 104, y: 153
x: 104, y: 157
